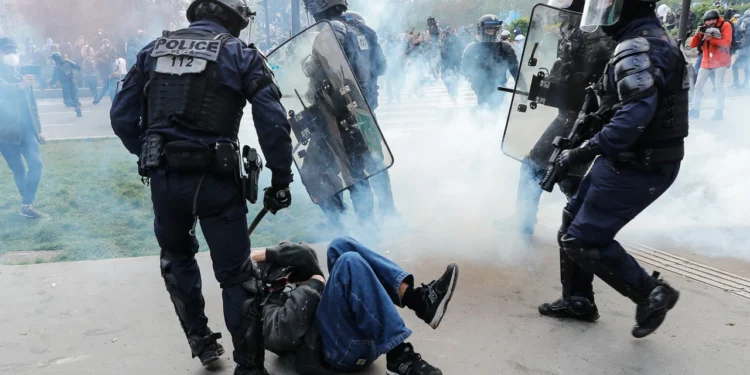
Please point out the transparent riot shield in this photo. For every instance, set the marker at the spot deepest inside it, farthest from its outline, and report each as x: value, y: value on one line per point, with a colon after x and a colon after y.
x: 559, y: 61
x: 336, y: 140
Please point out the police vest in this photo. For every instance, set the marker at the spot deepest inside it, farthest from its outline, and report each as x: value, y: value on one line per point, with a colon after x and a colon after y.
x: 184, y: 90
x: 358, y: 50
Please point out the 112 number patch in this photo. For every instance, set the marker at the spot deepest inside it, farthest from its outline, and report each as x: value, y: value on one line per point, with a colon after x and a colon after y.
x: 180, y: 65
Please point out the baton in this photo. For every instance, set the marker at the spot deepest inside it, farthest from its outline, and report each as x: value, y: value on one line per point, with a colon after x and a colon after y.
x: 281, y: 196
x: 511, y: 91
x: 257, y: 220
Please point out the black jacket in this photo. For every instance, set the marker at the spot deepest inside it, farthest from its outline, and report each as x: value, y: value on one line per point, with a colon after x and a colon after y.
x: 291, y: 331
x: 18, y: 108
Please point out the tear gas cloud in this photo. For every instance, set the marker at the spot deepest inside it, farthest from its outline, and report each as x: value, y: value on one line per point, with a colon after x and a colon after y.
x: 457, y: 190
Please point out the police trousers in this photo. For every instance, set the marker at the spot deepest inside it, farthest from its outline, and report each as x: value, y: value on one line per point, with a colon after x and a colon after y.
x: 222, y: 214
x: 609, y: 197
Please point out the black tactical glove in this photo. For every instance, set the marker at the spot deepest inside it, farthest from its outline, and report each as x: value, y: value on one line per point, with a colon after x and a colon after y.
x: 300, y: 256
x: 577, y: 156
x: 277, y: 198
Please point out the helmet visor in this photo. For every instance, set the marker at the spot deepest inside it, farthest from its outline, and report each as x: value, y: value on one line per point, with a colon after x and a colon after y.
x: 600, y: 13
x: 564, y: 4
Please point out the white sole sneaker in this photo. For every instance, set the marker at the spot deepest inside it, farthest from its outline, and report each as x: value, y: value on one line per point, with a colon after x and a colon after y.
x: 444, y: 303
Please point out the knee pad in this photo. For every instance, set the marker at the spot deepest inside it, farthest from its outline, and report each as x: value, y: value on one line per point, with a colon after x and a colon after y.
x: 567, y: 220
x: 589, y: 259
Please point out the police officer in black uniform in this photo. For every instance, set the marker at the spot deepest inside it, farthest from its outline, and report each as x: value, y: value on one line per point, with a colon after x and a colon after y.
x: 486, y: 63
x: 581, y: 58
x: 180, y: 109
x: 639, y: 151
x: 64, y: 72
x: 368, y: 62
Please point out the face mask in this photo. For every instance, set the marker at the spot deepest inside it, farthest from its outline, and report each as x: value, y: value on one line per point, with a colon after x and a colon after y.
x: 11, y: 59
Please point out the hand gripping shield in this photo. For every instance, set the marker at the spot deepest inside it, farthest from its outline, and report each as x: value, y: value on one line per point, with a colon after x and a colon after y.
x: 560, y: 61
x: 336, y: 139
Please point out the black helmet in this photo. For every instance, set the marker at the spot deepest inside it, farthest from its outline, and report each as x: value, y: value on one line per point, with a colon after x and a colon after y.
x: 712, y: 14
x: 56, y: 56
x: 238, y: 8
x: 489, y: 27
x: 319, y: 6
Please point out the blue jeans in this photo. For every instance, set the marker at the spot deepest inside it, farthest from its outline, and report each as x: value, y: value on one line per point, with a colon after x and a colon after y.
x: 357, y: 316
x: 109, y: 88
x: 26, y: 181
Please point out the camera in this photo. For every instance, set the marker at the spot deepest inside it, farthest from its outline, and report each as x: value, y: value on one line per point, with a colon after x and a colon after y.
x: 703, y: 28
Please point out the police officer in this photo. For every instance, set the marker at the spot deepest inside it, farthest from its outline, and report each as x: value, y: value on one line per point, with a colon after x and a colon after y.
x: 486, y: 63
x: 64, y: 72
x: 639, y: 154
x: 368, y: 62
x: 188, y: 90
x: 581, y: 58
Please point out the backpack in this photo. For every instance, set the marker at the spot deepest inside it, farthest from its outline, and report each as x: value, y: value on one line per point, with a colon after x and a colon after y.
x: 735, y: 41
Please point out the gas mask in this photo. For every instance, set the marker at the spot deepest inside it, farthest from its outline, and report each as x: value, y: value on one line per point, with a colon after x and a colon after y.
x: 11, y: 59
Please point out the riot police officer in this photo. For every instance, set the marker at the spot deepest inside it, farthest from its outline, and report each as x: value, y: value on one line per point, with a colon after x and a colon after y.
x: 180, y: 109
x: 581, y: 58
x: 368, y: 62
x: 486, y: 63
x: 639, y: 151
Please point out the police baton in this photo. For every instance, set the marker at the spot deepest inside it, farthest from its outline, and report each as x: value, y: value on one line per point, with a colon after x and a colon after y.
x: 281, y: 196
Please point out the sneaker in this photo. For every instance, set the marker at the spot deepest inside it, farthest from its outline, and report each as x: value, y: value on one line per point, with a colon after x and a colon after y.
x: 651, y: 314
x: 206, y: 347
x: 436, y: 296
x: 79, y: 113
x: 574, y: 308
x: 404, y: 361
x: 28, y: 210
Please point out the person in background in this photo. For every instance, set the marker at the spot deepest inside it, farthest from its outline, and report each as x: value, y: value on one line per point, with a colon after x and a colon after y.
x: 64, y: 72
x: 90, y: 75
x: 119, y: 70
x: 20, y: 128
x: 714, y: 38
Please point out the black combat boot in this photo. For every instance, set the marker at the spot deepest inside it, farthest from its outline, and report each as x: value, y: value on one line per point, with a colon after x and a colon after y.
x: 574, y: 307
x: 205, y: 346
x: 244, y: 370
x: 650, y: 314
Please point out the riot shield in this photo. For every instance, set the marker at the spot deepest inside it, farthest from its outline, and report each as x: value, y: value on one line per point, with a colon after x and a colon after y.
x: 560, y: 61
x: 336, y: 140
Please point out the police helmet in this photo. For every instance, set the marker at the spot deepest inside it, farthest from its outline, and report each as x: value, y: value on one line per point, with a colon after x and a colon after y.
x: 572, y: 5
x: 351, y: 15
x: 505, y: 35
x: 237, y: 8
x: 56, y: 56
x: 319, y: 6
x: 488, y: 27
x: 712, y: 14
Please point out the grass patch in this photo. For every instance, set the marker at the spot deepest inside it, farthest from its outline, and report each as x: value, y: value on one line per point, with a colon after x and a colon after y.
x: 99, y: 209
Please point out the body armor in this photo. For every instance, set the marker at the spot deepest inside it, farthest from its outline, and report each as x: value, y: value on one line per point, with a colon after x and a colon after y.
x: 188, y: 97
x: 635, y: 77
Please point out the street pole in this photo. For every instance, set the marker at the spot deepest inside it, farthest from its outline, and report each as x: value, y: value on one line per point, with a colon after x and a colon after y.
x: 295, y: 17
x: 682, y: 33
x: 268, y: 24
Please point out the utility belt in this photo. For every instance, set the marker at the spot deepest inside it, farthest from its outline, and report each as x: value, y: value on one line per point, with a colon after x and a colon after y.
x: 648, y: 159
x: 196, y: 157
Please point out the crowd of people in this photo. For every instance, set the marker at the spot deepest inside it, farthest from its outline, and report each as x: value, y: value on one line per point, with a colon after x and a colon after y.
x: 96, y: 62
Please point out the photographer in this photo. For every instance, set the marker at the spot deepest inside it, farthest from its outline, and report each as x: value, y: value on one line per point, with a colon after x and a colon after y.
x: 715, y: 39
x: 346, y: 325
x: 20, y: 128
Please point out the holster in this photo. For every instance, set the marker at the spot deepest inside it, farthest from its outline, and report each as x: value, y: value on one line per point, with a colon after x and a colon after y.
x: 250, y: 170
x: 151, y: 153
